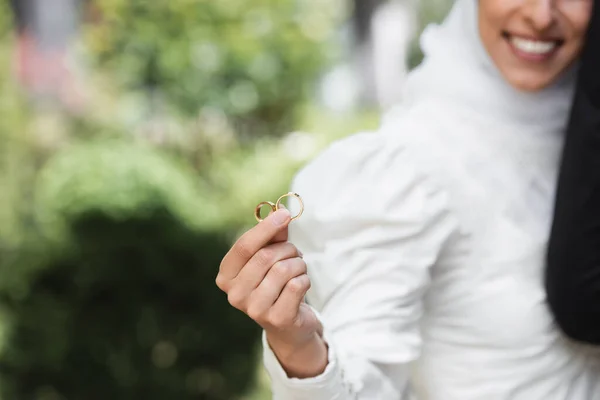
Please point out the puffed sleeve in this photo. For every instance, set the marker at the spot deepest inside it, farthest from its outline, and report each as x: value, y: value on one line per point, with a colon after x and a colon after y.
x: 373, y: 226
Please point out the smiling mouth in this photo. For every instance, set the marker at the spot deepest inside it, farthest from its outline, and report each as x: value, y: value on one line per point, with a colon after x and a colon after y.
x: 529, y: 49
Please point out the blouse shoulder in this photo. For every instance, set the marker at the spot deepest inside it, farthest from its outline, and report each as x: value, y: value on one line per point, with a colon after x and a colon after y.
x: 370, y: 178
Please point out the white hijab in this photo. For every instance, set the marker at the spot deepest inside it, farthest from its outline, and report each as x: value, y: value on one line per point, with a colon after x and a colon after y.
x: 516, y: 136
x: 458, y: 69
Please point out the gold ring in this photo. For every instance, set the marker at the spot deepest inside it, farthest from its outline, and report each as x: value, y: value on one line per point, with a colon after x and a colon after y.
x: 260, y: 206
x: 291, y: 194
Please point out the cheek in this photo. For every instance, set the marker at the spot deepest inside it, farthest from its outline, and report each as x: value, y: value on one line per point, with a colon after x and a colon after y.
x: 494, y: 16
x: 498, y: 12
x: 579, y: 20
x: 491, y: 14
x: 490, y: 25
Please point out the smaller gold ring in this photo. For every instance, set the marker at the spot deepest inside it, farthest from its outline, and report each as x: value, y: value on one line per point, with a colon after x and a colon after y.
x: 291, y: 194
x: 260, y: 206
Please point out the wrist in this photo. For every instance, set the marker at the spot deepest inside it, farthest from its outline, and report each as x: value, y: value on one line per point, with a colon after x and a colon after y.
x: 301, y: 359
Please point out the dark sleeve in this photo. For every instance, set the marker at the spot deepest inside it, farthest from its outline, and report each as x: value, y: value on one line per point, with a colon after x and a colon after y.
x: 573, y: 268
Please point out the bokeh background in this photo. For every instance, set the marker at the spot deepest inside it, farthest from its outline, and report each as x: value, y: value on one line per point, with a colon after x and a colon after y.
x: 136, y: 137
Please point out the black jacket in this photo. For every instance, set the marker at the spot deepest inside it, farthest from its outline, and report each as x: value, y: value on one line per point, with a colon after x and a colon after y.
x: 573, y: 268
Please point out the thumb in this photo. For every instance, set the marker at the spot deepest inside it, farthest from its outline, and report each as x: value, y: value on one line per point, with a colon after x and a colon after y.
x: 282, y: 235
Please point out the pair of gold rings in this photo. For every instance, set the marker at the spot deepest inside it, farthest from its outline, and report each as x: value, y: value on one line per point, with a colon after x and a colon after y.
x: 277, y: 205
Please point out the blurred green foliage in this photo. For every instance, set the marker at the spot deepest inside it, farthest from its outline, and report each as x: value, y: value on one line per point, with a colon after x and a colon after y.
x: 120, y: 302
x: 112, y: 293
x: 5, y: 19
x: 17, y: 159
x: 113, y: 222
x: 122, y: 180
x: 253, y: 60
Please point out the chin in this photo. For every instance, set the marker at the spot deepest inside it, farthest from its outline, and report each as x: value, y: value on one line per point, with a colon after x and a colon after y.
x: 529, y: 83
x: 531, y: 87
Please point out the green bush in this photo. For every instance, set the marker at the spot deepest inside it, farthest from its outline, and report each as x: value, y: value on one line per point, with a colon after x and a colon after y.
x: 17, y: 158
x: 120, y: 302
x: 253, y: 60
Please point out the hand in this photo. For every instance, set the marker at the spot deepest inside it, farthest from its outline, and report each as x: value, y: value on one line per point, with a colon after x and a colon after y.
x: 265, y: 277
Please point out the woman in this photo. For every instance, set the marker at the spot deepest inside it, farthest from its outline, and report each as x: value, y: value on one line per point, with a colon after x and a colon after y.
x: 425, y: 241
x: 573, y: 278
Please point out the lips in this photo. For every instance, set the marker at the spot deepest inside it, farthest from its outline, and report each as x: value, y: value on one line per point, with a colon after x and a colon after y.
x: 530, y: 49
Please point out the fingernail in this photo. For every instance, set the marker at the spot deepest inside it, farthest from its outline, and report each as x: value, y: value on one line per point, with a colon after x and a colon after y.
x: 281, y: 216
x: 300, y: 254
x: 282, y: 206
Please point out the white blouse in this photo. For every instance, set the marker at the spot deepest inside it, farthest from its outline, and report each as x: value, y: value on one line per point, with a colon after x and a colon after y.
x: 425, y: 245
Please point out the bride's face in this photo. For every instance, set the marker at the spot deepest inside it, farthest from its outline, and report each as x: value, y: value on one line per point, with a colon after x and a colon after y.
x: 532, y: 42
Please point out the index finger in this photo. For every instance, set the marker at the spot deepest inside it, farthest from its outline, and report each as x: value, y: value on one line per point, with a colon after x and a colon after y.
x: 252, y: 241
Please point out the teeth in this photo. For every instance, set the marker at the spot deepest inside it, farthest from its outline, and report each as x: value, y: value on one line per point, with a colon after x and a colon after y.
x: 533, y: 46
